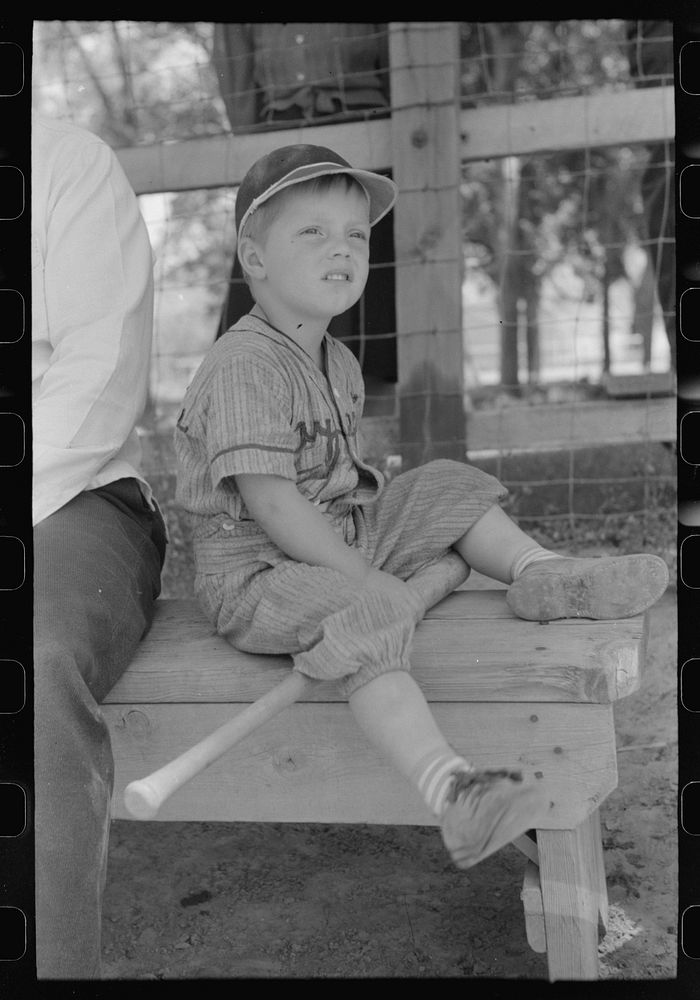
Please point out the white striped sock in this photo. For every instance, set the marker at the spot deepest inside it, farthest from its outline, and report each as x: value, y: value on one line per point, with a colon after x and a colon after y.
x: 434, y: 775
x: 534, y: 553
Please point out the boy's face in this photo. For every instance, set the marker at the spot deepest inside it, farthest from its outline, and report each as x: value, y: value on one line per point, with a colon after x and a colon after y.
x: 315, y: 253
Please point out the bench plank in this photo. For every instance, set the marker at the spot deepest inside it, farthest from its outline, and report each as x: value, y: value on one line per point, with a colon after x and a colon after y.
x: 470, y: 647
x: 312, y: 763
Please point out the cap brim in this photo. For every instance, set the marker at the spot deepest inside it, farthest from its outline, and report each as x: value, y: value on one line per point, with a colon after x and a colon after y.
x: 381, y: 191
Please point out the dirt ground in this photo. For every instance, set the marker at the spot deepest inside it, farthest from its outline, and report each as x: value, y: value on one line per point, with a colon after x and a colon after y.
x: 217, y: 900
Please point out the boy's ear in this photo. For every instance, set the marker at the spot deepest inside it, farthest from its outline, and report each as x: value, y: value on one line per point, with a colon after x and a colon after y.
x: 250, y: 257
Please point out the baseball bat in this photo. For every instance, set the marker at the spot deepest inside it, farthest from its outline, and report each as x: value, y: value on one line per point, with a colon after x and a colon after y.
x: 144, y: 797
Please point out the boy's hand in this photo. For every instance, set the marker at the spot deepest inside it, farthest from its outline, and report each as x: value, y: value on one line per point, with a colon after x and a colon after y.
x: 301, y: 531
x: 297, y: 526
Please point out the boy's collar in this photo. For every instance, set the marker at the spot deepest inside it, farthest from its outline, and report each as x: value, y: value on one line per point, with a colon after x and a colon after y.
x: 259, y: 315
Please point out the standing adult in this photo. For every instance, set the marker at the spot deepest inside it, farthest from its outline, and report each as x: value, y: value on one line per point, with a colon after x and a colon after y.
x: 99, y: 538
x: 274, y: 76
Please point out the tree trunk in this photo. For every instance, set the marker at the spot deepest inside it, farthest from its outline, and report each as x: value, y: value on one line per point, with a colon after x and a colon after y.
x: 606, y: 319
x: 643, y: 315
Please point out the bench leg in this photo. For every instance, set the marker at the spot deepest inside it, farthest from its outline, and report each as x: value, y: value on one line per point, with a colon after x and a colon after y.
x: 531, y: 896
x: 574, y: 899
x: 600, y: 868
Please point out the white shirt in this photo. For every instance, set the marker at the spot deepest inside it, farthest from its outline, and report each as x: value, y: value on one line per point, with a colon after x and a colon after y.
x: 92, y: 317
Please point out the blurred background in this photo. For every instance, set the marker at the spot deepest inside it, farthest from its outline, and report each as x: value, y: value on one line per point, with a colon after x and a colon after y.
x: 520, y: 308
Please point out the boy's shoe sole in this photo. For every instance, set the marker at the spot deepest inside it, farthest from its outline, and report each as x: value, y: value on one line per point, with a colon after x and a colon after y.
x: 610, y: 587
x: 487, y: 810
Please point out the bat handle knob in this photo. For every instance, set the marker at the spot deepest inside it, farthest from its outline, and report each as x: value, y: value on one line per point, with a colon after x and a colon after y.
x: 141, y: 799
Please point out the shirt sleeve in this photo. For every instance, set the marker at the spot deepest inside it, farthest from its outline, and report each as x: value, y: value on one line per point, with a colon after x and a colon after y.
x: 250, y: 420
x: 98, y: 289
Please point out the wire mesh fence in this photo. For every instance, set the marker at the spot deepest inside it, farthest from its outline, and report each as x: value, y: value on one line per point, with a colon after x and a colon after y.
x: 564, y: 249
x: 148, y: 81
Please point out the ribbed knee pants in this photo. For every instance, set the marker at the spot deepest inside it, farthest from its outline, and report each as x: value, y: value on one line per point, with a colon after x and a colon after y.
x: 333, y: 627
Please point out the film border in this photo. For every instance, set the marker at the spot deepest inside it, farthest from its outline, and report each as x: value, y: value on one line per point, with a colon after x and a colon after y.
x: 17, y: 966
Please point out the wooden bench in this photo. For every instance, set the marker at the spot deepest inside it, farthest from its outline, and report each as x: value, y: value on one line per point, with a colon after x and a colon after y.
x: 504, y: 691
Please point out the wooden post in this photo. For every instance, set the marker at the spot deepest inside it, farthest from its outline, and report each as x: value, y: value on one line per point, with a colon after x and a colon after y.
x: 424, y: 59
x: 574, y: 898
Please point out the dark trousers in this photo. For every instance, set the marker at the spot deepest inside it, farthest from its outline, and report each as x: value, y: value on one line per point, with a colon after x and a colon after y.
x: 97, y: 564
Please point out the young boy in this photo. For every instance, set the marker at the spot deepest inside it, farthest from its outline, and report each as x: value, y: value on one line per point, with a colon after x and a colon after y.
x: 301, y: 548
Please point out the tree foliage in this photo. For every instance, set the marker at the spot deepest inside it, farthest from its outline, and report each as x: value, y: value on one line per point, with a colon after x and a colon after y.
x: 131, y: 82
x: 526, y: 215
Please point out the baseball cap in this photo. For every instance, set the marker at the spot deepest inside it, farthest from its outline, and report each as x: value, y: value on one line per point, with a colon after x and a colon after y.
x: 293, y: 164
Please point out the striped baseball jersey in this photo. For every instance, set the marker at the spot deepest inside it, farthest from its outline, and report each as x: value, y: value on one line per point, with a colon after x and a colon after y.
x: 259, y: 404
